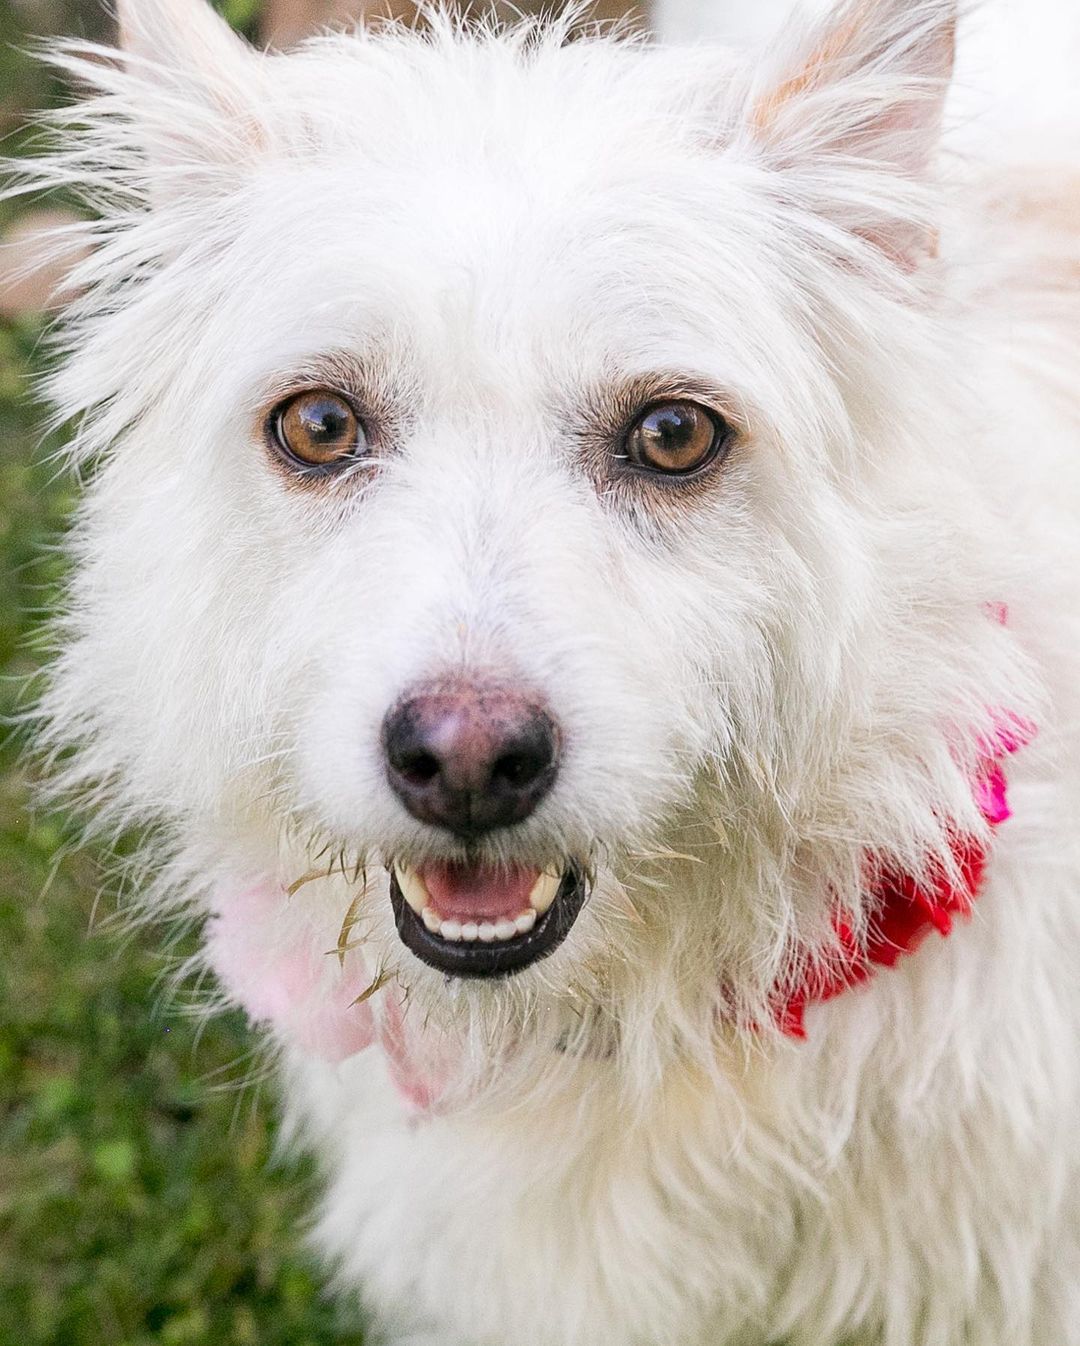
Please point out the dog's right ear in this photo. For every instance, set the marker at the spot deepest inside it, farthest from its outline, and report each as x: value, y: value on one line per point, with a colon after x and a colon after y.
x: 865, y: 86
x: 193, y: 88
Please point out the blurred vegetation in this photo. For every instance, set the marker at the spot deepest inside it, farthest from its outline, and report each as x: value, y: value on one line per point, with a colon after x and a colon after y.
x: 140, y: 1200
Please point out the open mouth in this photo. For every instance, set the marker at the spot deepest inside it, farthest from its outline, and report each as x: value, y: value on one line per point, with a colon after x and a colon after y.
x: 484, y: 921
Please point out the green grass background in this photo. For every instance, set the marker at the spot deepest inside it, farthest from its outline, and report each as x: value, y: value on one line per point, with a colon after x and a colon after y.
x: 140, y: 1197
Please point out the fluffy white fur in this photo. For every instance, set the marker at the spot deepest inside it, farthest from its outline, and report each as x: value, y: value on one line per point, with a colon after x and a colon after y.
x: 760, y: 681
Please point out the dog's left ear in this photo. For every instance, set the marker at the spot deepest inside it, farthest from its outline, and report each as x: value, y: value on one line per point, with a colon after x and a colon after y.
x: 865, y: 88
x: 180, y: 33
x: 194, y: 92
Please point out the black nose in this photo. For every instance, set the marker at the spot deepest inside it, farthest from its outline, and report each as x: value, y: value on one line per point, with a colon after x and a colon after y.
x: 470, y: 756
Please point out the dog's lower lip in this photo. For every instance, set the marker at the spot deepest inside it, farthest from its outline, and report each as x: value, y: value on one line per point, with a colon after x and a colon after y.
x: 491, y: 959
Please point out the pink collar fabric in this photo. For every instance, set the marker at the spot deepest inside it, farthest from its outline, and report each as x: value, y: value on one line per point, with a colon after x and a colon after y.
x: 312, y: 999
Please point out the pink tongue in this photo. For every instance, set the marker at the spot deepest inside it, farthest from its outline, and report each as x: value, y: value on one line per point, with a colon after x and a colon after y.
x: 478, y: 892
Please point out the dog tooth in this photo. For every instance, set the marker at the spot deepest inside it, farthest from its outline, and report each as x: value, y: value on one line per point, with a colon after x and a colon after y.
x: 525, y: 922
x: 543, y: 893
x: 451, y: 930
x: 412, y: 888
x: 486, y: 932
x: 469, y: 931
x: 431, y: 919
x: 505, y: 930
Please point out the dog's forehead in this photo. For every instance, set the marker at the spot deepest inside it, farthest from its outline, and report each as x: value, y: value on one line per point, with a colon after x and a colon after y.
x: 498, y: 234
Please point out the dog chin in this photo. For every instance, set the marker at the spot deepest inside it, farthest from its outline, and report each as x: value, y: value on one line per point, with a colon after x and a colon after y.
x: 478, y: 920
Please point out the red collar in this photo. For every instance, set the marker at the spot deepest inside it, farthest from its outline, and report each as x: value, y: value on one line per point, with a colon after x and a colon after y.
x: 907, y: 909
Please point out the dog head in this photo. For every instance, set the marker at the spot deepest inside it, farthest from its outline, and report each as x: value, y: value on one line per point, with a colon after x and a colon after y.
x: 520, y: 471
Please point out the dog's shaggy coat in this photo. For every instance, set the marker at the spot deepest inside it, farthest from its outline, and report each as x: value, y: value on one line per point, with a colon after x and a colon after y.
x: 769, y: 676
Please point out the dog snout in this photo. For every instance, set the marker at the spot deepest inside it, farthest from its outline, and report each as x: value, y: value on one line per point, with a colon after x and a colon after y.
x: 471, y: 756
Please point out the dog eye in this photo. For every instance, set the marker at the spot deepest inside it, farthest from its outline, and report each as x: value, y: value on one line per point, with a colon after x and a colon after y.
x: 676, y: 437
x: 318, y: 429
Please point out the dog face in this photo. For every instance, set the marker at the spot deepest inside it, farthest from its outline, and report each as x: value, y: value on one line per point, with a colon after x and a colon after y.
x: 492, y: 429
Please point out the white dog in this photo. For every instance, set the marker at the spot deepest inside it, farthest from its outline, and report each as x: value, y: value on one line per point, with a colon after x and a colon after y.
x: 582, y: 559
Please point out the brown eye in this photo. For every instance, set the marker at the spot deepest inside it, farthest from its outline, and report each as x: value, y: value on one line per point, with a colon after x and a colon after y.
x: 676, y: 437
x: 319, y: 429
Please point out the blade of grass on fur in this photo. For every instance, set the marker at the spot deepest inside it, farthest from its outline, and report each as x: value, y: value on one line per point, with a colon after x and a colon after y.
x: 307, y: 878
x: 381, y: 978
x: 352, y: 916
